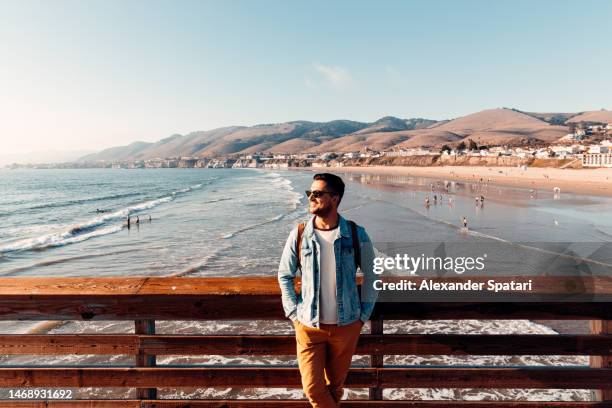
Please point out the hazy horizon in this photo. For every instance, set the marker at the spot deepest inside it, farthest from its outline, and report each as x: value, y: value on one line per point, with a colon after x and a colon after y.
x: 88, y: 76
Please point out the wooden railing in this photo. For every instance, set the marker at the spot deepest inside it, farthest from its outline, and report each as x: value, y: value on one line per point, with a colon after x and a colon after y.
x: 144, y: 300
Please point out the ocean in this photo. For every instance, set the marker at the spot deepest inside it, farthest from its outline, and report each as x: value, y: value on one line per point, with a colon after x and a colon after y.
x: 233, y: 222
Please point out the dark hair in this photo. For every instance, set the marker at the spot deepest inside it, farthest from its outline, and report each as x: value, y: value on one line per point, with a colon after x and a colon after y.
x: 334, y: 182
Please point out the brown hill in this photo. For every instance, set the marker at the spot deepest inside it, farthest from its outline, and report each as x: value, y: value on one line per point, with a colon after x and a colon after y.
x: 600, y: 116
x: 503, y: 126
x: 430, y: 138
x: 554, y: 118
x: 356, y: 142
x: 489, y: 127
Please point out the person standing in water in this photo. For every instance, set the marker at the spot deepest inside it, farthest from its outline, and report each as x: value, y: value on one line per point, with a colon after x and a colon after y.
x: 464, y: 222
x: 128, y: 222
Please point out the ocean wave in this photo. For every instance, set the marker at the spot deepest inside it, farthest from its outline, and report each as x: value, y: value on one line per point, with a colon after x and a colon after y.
x: 55, y: 261
x: 295, y: 198
x: 108, y: 223
x: 259, y: 224
x: 79, y: 201
x: 186, y: 189
x: 197, y: 267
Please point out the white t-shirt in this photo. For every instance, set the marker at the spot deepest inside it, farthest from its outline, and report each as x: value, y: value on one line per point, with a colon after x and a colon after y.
x: 328, y: 302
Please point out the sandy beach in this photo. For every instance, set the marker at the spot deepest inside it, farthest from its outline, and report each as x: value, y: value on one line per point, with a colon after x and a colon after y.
x: 580, y: 181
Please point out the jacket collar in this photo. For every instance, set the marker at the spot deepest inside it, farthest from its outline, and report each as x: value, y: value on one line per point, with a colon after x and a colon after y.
x: 345, y: 230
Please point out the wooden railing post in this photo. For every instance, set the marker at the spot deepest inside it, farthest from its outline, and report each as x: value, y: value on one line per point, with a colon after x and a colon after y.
x: 376, y: 360
x: 145, y: 360
x: 602, y: 327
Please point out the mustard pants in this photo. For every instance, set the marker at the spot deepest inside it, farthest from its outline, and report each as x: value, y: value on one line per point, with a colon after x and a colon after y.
x: 324, y: 356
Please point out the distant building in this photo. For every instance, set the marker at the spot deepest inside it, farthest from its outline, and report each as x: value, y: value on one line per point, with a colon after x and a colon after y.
x: 327, y: 156
x: 253, y: 164
x: 601, y: 148
x: 201, y: 163
x: 187, y: 162
x: 409, y: 152
x: 277, y: 165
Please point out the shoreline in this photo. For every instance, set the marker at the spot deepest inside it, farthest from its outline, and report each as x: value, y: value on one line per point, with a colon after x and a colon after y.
x: 579, y: 181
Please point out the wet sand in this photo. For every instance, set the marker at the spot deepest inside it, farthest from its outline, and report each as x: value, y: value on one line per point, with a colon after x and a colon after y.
x: 580, y: 181
x: 585, y: 181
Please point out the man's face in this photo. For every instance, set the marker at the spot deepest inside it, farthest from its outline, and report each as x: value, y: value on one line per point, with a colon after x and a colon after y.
x: 325, y: 203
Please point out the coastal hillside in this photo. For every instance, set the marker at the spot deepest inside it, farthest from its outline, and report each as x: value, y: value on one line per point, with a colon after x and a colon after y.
x: 290, y: 137
x: 491, y: 127
x: 600, y: 116
x: 504, y: 126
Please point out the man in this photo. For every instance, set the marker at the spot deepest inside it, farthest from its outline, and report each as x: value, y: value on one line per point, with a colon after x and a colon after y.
x: 328, y: 314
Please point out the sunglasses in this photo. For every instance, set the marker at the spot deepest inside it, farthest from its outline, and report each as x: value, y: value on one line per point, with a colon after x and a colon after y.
x: 318, y: 193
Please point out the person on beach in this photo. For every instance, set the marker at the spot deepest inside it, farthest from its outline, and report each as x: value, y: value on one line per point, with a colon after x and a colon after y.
x: 329, y: 313
x: 128, y: 222
x: 137, y: 220
x: 464, y: 222
x: 427, y: 202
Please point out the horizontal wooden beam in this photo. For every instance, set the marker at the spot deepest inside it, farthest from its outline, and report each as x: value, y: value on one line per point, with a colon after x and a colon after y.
x: 262, y: 285
x: 295, y: 404
x: 389, y: 344
x: 164, y: 298
x: 67, y: 344
x: 140, y: 285
x: 266, y: 307
x: 563, y: 378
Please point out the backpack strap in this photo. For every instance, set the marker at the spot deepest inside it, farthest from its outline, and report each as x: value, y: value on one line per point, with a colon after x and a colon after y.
x: 298, y: 244
x: 356, y: 247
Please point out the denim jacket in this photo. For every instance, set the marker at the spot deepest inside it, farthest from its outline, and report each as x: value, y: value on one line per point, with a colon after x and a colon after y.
x: 305, y: 306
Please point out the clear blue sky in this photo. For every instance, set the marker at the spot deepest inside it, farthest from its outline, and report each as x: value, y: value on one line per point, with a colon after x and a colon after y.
x: 94, y: 74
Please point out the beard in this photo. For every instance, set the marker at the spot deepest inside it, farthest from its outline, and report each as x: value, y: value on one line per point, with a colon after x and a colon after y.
x: 320, y: 211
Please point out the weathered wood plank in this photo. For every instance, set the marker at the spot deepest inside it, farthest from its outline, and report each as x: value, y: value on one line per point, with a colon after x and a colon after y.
x: 266, y: 307
x: 563, y: 378
x: 604, y: 360
x: 377, y: 404
x: 376, y: 357
x: 257, y: 285
x: 131, y: 298
x: 294, y: 404
x: 495, y: 310
x: 69, y: 344
x: 536, y: 378
x: 261, y: 285
x: 144, y: 359
x: 389, y: 344
x: 109, y: 403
